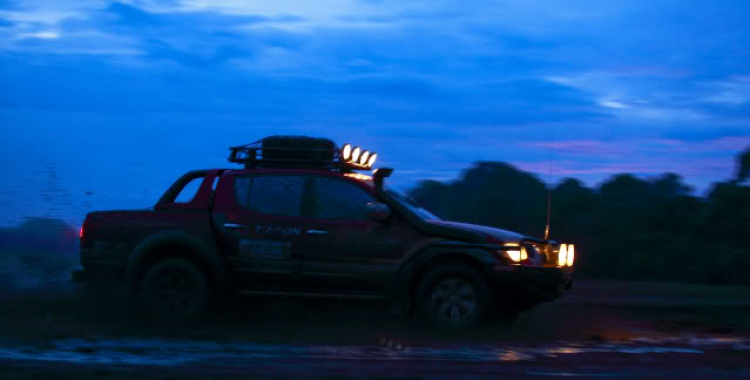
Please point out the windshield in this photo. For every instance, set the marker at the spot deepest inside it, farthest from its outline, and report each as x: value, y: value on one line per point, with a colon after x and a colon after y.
x: 412, y: 205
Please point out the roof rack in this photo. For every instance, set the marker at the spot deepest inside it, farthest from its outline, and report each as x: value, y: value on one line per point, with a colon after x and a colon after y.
x: 295, y: 152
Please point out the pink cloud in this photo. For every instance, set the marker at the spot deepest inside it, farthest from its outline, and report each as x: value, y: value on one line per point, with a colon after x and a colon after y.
x: 734, y: 143
x: 633, y: 147
x: 656, y: 71
x: 580, y: 147
x: 643, y: 165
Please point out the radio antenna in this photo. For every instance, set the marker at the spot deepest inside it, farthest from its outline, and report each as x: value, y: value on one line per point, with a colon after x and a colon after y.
x: 549, y: 190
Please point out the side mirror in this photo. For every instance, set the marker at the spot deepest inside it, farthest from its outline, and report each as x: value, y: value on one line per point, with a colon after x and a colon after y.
x: 378, y: 211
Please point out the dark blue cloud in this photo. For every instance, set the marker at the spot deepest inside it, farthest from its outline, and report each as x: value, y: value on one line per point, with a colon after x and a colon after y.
x: 133, y: 17
x: 433, y: 88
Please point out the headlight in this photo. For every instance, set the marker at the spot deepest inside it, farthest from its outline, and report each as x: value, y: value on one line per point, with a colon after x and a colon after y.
x: 516, y: 252
x: 566, y: 255
x: 514, y: 255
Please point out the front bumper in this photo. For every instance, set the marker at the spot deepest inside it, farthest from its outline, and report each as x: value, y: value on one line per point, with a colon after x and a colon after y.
x: 534, y: 284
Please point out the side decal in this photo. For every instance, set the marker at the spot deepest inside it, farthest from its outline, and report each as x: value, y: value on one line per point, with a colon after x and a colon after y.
x: 265, y: 249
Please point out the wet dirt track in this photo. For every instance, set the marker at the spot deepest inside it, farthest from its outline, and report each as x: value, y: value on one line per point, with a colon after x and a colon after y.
x: 609, y: 330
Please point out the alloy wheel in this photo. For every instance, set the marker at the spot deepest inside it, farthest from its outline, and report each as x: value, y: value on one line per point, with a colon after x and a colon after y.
x: 453, y: 300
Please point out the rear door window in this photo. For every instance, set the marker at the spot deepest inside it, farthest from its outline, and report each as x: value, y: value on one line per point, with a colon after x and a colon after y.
x: 271, y: 194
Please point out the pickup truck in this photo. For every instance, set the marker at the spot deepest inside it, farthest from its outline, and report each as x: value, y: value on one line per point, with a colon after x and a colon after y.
x: 298, y: 220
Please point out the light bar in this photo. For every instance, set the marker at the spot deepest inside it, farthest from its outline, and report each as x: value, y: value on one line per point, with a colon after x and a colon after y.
x: 357, y: 157
x: 361, y: 177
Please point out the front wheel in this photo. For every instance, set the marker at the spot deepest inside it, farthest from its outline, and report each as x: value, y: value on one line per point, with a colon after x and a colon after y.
x: 453, y: 296
x: 173, y: 290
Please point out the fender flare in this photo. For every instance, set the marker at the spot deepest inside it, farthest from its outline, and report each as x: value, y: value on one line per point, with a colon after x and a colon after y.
x: 201, y: 248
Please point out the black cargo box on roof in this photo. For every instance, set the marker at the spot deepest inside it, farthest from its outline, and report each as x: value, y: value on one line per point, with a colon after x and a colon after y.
x: 298, y: 148
x: 288, y: 152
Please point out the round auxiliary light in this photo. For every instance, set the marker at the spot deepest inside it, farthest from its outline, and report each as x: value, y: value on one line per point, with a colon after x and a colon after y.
x: 346, y: 152
x: 372, y: 159
x: 355, y: 155
x: 363, y: 158
x: 571, y: 255
x: 562, y: 257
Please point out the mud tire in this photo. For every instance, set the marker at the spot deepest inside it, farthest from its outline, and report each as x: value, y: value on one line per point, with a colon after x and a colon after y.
x: 453, y: 296
x: 173, y: 291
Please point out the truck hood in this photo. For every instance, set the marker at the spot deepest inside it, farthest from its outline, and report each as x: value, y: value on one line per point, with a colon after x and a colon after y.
x: 503, y: 235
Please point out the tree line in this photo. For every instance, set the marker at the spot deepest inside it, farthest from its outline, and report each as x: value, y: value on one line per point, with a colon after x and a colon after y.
x: 627, y: 227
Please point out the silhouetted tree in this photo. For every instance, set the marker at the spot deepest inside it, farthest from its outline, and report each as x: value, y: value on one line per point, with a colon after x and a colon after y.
x: 628, y: 227
x: 743, y: 165
x: 490, y: 193
x: 670, y: 185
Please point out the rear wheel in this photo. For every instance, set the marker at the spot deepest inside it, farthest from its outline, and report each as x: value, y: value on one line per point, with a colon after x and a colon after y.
x: 173, y: 290
x: 453, y: 296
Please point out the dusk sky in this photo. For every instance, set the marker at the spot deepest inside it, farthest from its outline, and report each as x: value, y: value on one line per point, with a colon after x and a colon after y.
x: 103, y: 104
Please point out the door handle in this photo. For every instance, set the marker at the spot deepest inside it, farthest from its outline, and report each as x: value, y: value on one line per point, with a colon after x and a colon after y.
x: 233, y: 226
x: 317, y: 232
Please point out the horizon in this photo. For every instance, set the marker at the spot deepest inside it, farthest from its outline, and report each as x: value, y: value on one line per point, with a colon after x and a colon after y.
x: 59, y: 202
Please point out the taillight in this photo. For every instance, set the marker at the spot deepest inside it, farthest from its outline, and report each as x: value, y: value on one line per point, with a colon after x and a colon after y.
x: 80, y: 234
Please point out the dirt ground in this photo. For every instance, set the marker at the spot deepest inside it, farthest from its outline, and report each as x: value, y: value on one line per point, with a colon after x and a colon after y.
x: 598, y: 329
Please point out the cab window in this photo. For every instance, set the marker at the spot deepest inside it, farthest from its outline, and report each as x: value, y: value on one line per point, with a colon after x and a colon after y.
x: 189, y: 191
x: 334, y: 198
x: 270, y: 194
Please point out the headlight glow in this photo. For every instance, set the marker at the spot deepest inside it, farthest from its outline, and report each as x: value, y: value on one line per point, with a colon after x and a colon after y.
x: 514, y: 255
x: 514, y: 252
x: 571, y: 255
x: 562, y: 256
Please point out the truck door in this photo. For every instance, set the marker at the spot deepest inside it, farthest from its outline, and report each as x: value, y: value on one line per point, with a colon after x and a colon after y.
x: 353, y: 253
x: 259, y: 219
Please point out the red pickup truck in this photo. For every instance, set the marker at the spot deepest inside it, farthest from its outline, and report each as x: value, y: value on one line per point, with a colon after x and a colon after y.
x: 298, y: 220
